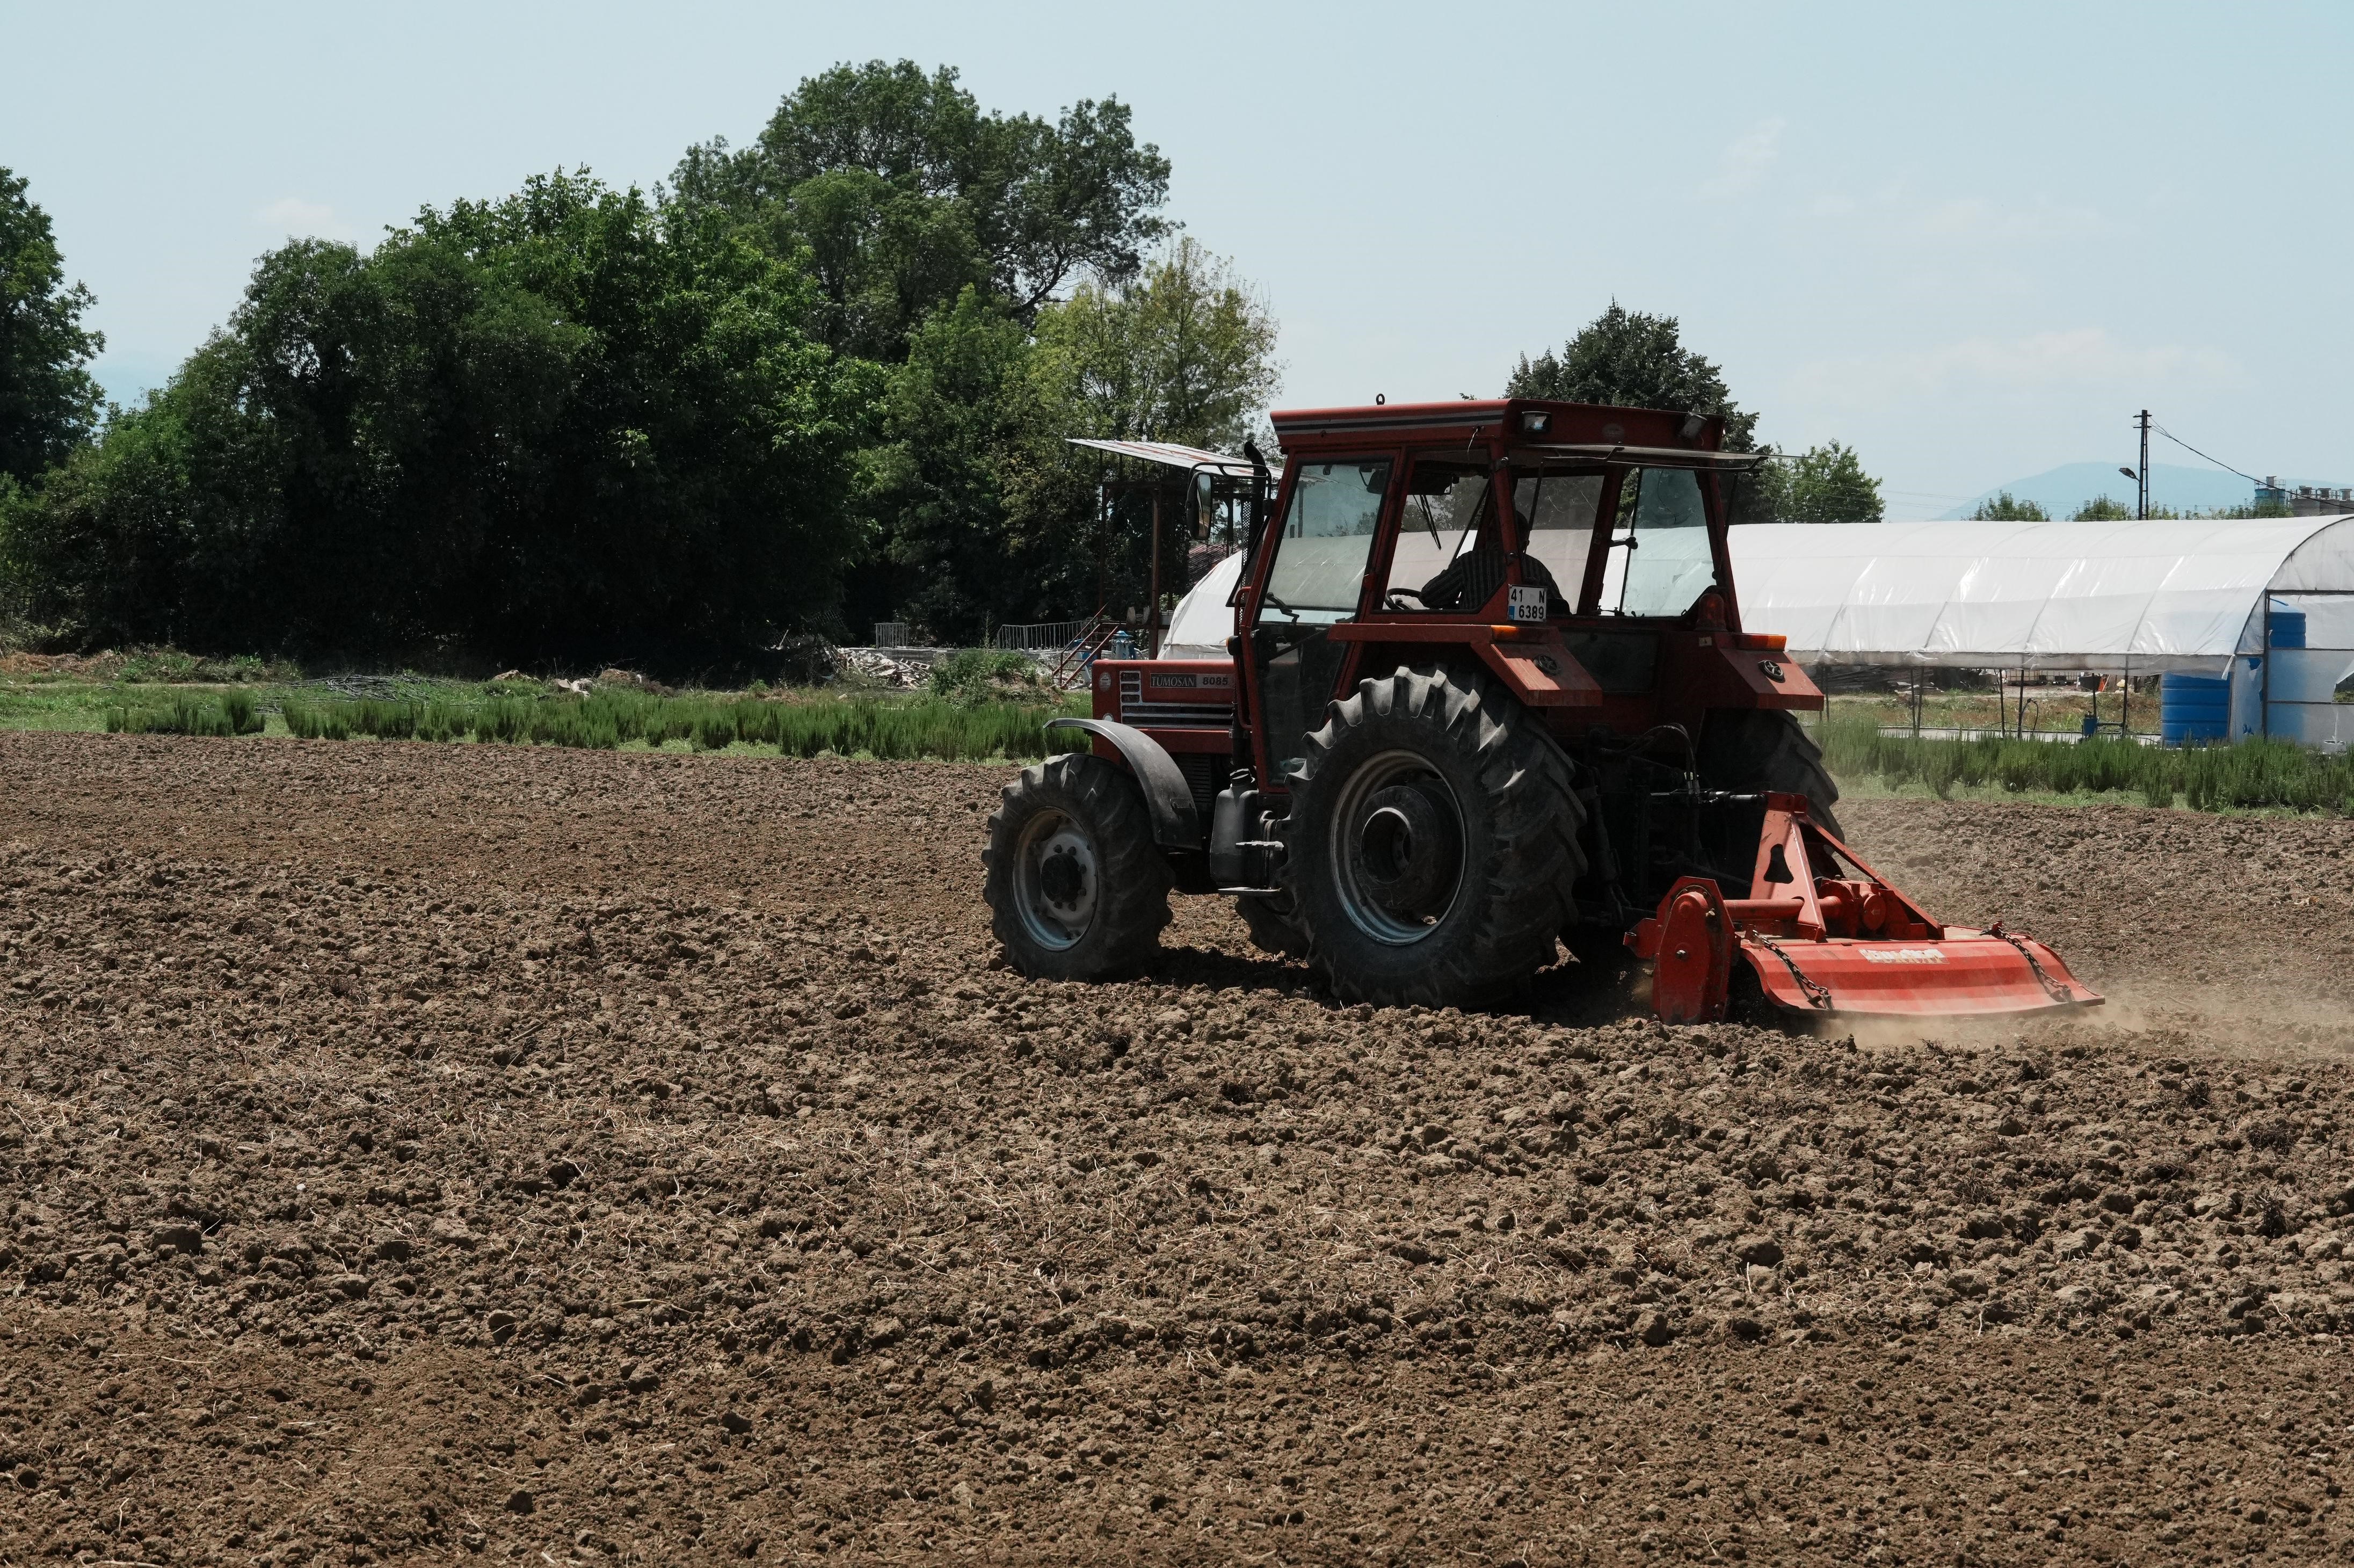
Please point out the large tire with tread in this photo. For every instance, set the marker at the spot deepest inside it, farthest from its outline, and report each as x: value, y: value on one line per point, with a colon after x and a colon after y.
x: 1432, y: 842
x: 1076, y: 886
x: 1274, y: 924
x: 1766, y: 749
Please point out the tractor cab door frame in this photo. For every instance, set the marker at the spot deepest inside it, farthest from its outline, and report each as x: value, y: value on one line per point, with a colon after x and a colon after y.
x: 1312, y: 575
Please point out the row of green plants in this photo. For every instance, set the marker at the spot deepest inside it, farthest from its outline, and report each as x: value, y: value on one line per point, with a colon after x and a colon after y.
x: 932, y: 727
x: 230, y: 712
x: 2251, y: 774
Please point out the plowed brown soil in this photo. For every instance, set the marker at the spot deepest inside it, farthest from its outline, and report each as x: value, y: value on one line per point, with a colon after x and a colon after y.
x: 421, y: 1154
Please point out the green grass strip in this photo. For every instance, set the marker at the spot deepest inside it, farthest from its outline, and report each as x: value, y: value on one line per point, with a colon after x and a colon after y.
x: 2254, y: 774
x: 948, y: 731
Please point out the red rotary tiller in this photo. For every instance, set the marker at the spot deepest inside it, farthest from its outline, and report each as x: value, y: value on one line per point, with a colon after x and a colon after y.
x: 1825, y: 942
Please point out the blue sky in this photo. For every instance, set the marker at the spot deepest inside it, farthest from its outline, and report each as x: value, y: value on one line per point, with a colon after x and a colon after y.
x: 1970, y: 240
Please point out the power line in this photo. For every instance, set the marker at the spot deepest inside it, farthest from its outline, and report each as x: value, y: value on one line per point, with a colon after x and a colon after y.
x: 2194, y: 452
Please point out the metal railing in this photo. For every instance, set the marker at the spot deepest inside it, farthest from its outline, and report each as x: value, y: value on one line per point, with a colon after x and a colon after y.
x: 892, y: 634
x: 1040, y: 636
x: 1072, y: 660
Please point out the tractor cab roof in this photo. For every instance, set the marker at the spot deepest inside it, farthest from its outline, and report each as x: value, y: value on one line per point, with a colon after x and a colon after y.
x: 1532, y: 427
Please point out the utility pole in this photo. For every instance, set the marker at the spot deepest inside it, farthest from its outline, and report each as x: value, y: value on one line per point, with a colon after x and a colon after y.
x: 1152, y: 618
x: 2141, y: 511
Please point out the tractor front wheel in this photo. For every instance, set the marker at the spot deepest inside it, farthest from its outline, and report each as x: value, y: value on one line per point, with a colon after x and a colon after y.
x: 1432, y: 842
x: 1075, y: 887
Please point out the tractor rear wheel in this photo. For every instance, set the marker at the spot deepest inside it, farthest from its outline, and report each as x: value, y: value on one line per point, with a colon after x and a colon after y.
x: 1434, y: 841
x: 1076, y: 886
x: 1763, y: 749
x: 1274, y: 923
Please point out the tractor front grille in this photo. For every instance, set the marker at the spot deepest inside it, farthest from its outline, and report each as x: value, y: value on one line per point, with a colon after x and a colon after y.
x: 1135, y: 710
x: 1177, y: 715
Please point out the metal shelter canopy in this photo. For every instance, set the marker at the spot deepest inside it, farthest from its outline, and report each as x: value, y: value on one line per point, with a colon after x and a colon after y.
x: 2138, y: 596
x: 1170, y: 454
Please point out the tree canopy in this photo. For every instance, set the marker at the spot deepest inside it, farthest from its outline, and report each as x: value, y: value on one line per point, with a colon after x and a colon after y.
x: 1821, y: 484
x: 1638, y: 361
x: 48, y: 403
x: 1182, y: 352
x: 982, y: 508
x: 820, y: 380
x: 2004, y: 507
x: 970, y: 423
x: 569, y: 418
x: 902, y: 191
x: 1633, y: 360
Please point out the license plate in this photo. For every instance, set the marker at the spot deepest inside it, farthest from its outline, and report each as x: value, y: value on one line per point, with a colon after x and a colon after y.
x: 1528, y: 604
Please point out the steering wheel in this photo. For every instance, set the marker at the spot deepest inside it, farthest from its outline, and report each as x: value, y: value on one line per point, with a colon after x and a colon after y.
x: 1390, y: 599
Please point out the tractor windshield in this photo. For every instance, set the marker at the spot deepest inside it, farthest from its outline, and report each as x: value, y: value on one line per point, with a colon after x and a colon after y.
x: 1328, y: 532
x: 1660, y: 560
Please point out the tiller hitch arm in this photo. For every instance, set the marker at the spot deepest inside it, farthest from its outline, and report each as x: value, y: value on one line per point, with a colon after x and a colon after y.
x: 1824, y: 941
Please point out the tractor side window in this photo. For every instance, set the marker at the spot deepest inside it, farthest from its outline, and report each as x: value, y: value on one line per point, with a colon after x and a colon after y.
x: 1446, y: 506
x: 1660, y: 561
x: 1556, y: 513
x: 1319, y: 558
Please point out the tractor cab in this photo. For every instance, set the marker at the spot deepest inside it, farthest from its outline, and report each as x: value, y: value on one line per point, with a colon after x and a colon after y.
x: 1577, y: 553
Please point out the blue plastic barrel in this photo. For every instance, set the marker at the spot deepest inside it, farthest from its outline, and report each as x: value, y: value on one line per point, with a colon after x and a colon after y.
x: 2194, y: 707
x: 2287, y: 626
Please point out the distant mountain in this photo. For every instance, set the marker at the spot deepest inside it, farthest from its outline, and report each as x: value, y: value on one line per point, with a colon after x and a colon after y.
x: 2061, y: 489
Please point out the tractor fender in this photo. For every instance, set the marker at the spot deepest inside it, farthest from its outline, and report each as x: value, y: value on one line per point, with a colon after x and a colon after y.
x: 1176, y: 822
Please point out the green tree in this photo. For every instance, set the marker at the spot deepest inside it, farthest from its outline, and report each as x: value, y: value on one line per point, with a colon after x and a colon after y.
x: 48, y: 403
x: 1821, y: 484
x: 1184, y: 352
x: 570, y: 422
x: 983, y: 511
x: 2004, y: 507
x: 969, y: 419
x: 2101, y: 508
x: 1633, y: 360
x: 903, y: 193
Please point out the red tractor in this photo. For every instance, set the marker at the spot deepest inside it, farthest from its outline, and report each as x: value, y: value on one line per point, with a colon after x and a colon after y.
x: 1488, y: 694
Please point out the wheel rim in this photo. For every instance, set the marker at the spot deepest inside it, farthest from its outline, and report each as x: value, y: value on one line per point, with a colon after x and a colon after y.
x: 1055, y: 881
x: 1397, y: 849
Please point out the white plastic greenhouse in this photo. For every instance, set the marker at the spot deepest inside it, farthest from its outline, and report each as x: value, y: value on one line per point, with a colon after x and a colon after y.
x: 2208, y: 596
